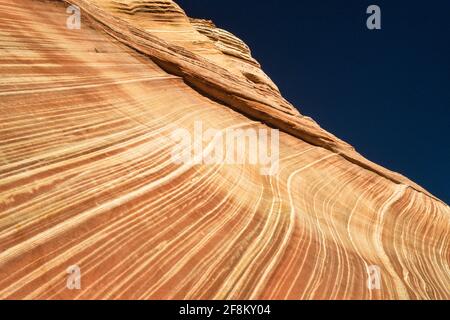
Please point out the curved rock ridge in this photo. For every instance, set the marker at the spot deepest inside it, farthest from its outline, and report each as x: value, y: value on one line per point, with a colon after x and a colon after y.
x: 88, y: 181
x: 171, y: 46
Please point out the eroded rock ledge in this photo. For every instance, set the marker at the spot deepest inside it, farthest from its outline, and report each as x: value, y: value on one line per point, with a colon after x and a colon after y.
x: 87, y: 178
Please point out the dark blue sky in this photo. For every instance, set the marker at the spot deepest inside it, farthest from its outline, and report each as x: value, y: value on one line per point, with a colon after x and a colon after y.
x: 386, y: 92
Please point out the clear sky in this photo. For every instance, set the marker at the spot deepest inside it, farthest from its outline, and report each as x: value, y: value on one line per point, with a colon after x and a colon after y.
x: 386, y: 92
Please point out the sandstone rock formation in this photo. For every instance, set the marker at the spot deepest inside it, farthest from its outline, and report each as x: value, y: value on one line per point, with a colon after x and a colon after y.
x: 87, y: 179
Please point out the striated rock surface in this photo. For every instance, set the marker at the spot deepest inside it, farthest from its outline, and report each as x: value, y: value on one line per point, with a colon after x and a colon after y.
x: 87, y: 178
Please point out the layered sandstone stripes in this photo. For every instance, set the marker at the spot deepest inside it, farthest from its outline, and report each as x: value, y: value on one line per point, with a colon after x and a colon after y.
x: 87, y: 178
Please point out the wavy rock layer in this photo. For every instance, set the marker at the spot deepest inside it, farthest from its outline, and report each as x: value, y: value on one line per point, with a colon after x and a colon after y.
x: 86, y: 176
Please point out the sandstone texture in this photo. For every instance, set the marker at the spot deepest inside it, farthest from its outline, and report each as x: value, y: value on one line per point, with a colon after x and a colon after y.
x: 87, y: 177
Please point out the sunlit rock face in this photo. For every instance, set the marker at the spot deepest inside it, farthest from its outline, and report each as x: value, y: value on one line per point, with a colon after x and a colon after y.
x: 87, y: 177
